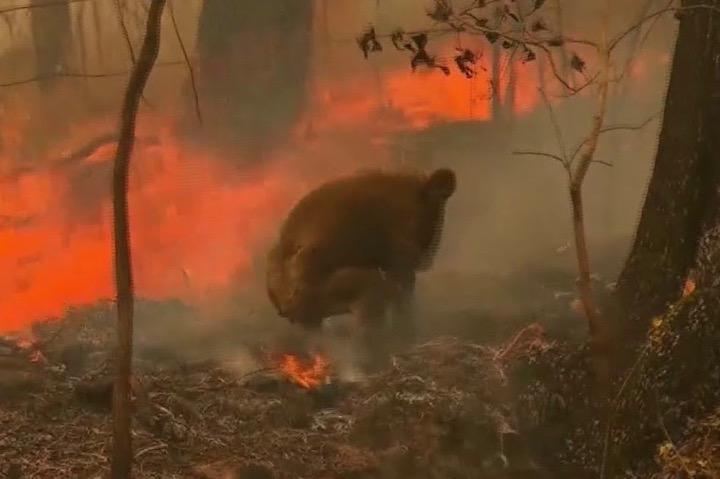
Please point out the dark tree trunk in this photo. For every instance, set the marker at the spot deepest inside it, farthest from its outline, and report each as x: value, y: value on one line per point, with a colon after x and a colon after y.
x: 683, y: 193
x: 254, y: 63
x: 52, y: 32
x: 121, y: 465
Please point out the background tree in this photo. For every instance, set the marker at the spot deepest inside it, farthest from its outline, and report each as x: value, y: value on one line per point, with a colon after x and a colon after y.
x: 52, y: 32
x: 254, y: 63
x: 121, y: 465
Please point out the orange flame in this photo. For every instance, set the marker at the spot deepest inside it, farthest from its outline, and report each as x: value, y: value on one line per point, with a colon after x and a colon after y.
x: 689, y: 287
x: 306, y: 374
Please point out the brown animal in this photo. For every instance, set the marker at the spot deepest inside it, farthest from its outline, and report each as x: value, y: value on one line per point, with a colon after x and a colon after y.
x: 353, y: 245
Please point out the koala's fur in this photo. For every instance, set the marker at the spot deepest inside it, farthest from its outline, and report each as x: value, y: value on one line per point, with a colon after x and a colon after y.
x: 354, y: 244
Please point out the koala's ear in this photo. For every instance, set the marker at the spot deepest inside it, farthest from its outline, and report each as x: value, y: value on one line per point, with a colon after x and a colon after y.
x: 441, y: 184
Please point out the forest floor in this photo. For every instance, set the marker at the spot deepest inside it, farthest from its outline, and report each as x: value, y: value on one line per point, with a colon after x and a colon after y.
x: 437, y: 411
x: 508, y: 401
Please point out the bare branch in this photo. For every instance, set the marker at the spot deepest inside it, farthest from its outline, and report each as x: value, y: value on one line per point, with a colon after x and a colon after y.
x: 128, y: 41
x: 611, y: 128
x: 42, y: 77
x: 591, y: 142
x: 543, y: 155
x: 187, y: 61
x: 576, y: 90
x: 124, y: 30
x: 556, y: 126
x: 624, y: 34
x: 640, y: 41
x: 49, y: 3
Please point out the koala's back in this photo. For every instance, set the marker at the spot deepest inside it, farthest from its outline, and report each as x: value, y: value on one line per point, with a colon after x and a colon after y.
x: 356, y: 218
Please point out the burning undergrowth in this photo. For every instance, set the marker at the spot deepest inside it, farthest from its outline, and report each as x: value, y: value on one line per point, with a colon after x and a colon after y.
x: 441, y: 409
x: 445, y: 408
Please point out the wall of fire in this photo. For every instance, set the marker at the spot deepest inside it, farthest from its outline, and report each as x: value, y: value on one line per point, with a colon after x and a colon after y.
x: 287, y: 100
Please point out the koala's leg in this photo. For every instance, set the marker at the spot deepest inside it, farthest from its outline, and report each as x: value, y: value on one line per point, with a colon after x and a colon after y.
x: 365, y: 292
x: 370, y: 311
x: 404, y: 330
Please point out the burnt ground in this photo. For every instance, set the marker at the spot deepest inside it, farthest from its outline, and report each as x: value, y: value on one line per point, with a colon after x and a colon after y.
x: 496, y: 388
x: 437, y: 411
x: 208, y: 399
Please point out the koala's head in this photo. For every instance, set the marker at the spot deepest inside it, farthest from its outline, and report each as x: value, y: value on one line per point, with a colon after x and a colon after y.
x: 440, y: 185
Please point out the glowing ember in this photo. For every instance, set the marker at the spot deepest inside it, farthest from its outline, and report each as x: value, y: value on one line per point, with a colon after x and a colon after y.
x: 307, y: 374
x: 689, y: 287
x: 24, y: 344
x: 37, y: 357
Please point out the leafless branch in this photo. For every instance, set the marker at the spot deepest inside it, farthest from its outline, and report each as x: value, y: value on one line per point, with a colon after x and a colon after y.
x: 615, y: 406
x: 556, y: 126
x: 543, y: 155
x: 611, y: 128
x: 49, y: 3
x: 592, y: 140
x: 640, y: 41
x: 187, y: 61
x: 124, y: 30
x: 668, y: 438
x: 624, y: 34
x: 576, y: 90
x: 128, y: 41
x: 42, y: 77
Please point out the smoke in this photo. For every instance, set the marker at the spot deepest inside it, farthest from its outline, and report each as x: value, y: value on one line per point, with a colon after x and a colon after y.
x: 203, y: 214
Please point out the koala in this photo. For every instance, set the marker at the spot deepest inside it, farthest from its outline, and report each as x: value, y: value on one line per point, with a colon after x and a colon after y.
x: 354, y: 245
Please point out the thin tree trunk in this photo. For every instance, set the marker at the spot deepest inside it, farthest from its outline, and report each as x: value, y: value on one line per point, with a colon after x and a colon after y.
x: 600, y: 333
x: 121, y: 466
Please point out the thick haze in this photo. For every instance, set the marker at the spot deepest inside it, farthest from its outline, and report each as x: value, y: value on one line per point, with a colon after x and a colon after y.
x: 204, y: 208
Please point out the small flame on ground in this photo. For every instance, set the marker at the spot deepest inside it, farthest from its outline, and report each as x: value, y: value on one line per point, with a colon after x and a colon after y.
x: 306, y: 374
x: 689, y: 287
x: 25, y: 344
x: 37, y: 357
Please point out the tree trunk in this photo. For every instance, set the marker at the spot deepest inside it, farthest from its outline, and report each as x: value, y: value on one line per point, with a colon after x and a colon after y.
x: 52, y: 32
x: 254, y: 64
x: 682, y: 194
x: 121, y: 465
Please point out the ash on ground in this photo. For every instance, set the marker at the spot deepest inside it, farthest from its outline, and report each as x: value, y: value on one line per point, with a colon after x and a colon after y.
x: 439, y: 410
